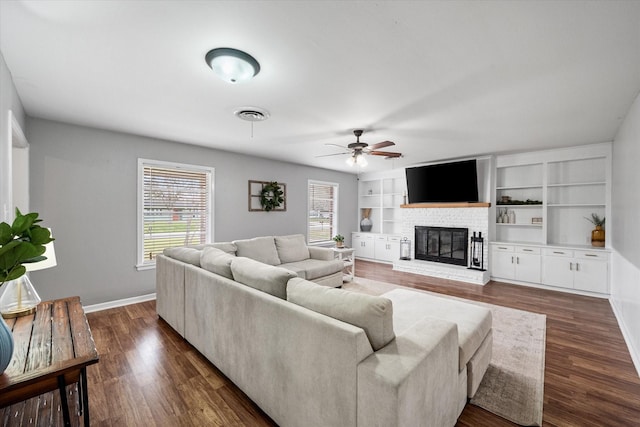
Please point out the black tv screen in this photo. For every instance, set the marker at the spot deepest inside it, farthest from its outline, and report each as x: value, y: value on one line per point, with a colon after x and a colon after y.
x: 444, y: 182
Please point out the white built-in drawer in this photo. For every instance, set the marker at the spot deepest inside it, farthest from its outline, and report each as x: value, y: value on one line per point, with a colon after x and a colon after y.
x: 603, y: 256
x: 503, y: 248
x: 557, y: 252
x: 528, y: 250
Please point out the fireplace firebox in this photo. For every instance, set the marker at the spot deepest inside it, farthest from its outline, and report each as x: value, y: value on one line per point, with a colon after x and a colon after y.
x: 442, y: 244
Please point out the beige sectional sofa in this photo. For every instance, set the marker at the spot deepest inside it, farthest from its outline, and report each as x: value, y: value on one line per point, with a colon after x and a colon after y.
x: 312, y: 355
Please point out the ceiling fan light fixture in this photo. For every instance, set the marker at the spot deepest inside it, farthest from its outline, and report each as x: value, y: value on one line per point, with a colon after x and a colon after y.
x: 232, y: 65
x: 358, y: 160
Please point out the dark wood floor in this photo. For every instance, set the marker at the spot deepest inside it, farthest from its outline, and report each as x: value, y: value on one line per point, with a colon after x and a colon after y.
x: 149, y: 376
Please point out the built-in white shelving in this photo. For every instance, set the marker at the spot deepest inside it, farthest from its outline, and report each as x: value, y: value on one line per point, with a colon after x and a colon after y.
x: 382, y: 194
x: 549, y: 244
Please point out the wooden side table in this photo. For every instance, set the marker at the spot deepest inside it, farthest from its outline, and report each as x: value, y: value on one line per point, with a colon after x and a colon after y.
x: 52, y: 349
x: 346, y: 255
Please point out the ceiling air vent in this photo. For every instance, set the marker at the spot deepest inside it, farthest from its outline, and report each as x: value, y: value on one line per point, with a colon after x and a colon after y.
x: 252, y: 114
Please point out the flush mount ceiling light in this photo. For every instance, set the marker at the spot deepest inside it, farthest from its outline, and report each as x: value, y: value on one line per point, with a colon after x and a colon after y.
x: 232, y: 65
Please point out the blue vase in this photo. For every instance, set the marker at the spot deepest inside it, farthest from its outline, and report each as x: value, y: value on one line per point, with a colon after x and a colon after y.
x: 6, y: 345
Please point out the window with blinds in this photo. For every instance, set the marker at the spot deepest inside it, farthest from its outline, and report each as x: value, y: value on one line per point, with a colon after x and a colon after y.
x: 322, y: 223
x: 175, y: 207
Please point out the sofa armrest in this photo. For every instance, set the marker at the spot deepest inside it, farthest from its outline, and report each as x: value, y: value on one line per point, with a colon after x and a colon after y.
x: 325, y: 254
x: 170, y: 291
x: 413, y: 380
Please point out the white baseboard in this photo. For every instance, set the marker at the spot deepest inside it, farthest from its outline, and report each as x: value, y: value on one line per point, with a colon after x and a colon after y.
x: 118, y: 303
x: 635, y: 355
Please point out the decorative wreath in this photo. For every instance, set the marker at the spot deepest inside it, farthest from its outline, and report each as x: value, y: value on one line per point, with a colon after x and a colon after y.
x: 271, y: 196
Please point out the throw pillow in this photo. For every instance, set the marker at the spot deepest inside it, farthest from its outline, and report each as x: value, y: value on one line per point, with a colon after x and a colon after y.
x: 267, y: 278
x: 217, y: 261
x: 261, y: 249
x: 292, y: 248
x: 371, y: 313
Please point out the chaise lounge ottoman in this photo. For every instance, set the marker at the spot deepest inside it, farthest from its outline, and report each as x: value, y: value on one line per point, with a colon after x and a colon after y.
x: 474, y: 325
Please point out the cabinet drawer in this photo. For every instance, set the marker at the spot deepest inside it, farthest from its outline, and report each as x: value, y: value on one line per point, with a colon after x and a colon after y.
x: 594, y: 255
x: 527, y: 250
x: 503, y: 248
x: 557, y: 252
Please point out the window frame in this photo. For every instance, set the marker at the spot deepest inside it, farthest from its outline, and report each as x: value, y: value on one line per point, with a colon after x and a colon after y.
x: 334, y: 225
x: 141, y: 263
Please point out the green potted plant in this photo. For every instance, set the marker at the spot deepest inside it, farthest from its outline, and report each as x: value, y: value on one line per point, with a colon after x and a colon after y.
x: 597, y: 234
x: 339, y: 239
x: 21, y: 243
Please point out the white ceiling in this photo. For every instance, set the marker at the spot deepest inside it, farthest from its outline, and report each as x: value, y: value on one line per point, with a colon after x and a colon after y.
x: 442, y: 79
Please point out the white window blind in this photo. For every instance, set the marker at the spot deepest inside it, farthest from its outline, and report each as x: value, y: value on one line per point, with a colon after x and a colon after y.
x: 176, y: 208
x: 323, y: 211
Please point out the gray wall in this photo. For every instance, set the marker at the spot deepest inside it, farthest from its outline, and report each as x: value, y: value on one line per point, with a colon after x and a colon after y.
x: 83, y: 183
x: 625, y: 234
x: 9, y: 100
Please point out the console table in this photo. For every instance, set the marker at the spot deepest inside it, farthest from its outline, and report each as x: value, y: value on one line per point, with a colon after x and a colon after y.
x: 52, y: 349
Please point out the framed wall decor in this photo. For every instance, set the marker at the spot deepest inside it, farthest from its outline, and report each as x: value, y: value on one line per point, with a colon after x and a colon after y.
x: 267, y: 196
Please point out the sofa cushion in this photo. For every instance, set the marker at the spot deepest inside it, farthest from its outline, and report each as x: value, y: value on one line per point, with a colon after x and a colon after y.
x: 228, y: 247
x: 371, y: 313
x: 313, y: 268
x: 217, y: 261
x: 261, y: 249
x: 318, y: 252
x: 184, y: 254
x: 267, y: 278
x: 292, y: 248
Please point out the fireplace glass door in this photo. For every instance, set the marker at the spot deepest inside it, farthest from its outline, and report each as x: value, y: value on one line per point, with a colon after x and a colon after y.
x: 441, y: 244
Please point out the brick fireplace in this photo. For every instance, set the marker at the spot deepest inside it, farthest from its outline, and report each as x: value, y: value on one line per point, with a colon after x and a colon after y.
x: 472, y: 217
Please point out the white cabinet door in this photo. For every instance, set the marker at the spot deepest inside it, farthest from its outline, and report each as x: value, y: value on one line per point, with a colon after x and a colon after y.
x: 558, y: 271
x: 581, y: 270
x: 381, y: 248
x: 520, y: 263
x: 363, y: 245
x: 503, y: 262
x: 394, y: 248
x: 387, y: 248
x: 528, y: 267
x: 591, y: 276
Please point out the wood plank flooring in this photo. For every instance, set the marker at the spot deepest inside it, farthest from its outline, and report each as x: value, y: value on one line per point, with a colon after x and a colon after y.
x: 149, y: 376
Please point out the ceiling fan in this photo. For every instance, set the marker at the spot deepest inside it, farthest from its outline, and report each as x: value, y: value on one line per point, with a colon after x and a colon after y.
x: 357, y: 149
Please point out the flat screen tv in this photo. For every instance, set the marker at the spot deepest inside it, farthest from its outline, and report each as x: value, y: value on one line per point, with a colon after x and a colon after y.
x: 444, y: 182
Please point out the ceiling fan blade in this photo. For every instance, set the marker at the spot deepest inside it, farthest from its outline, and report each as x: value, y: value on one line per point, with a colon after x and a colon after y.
x: 337, y: 145
x: 334, y: 154
x: 381, y: 145
x: 385, y: 153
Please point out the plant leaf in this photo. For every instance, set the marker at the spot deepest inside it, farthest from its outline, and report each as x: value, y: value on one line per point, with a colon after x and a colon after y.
x: 19, y: 253
x: 8, y: 247
x: 40, y: 235
x: 17, y: 272
x: 22, y: 223
x: 5, y: 233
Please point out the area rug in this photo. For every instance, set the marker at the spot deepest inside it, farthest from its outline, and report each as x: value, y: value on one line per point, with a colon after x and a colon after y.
x: 513, y: 387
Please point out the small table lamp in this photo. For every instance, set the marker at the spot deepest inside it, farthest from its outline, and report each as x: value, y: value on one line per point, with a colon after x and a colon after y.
x: 20, y: 297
